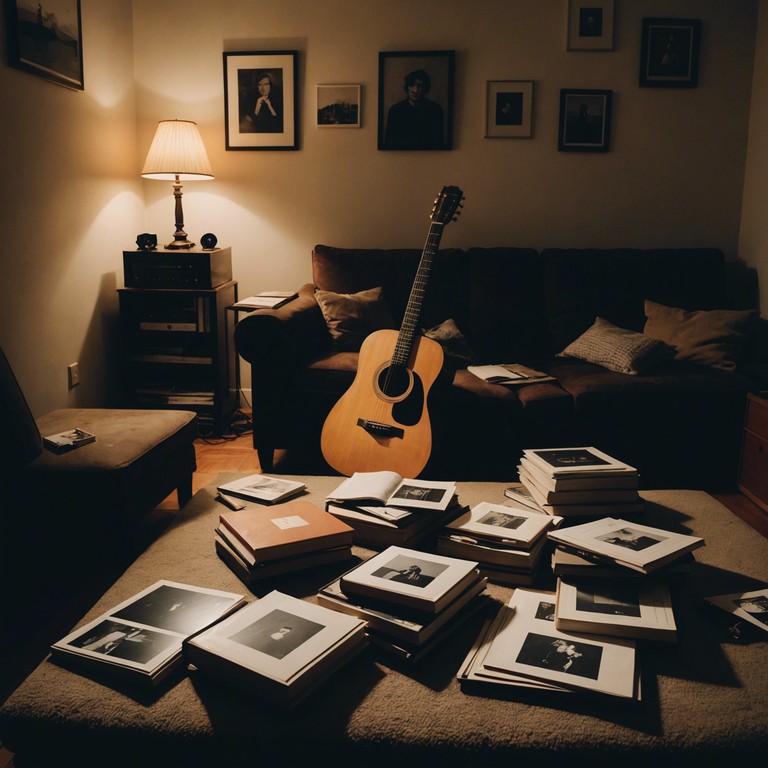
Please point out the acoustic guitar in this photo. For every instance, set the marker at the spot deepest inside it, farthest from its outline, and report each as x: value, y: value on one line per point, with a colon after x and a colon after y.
x: 382, y: 422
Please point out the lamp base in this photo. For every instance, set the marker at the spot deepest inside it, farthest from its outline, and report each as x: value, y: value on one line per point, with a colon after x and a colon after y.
x: 178, y: 245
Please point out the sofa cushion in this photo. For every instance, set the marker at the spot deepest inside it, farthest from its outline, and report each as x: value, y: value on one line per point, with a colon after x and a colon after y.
x: 715, y: 338
x: 618, y: 349
x: 352, y: 316
x: 455, y: 346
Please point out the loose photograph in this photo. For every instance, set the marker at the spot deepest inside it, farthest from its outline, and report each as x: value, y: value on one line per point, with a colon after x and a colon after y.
x: 416, y: 100
x: 410, y: 570
x: 629, y: 538
x: 611, y: 600
x: 502, y: 520
x: 278, y: 633
x: 123, y: 641
x: 561, y: 655
x: 175, y: 609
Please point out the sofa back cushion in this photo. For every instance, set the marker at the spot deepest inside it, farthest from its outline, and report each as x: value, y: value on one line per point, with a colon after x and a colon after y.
x: 582, y: 284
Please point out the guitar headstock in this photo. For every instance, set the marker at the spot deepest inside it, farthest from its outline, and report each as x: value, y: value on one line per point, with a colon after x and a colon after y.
x: 447, y: 204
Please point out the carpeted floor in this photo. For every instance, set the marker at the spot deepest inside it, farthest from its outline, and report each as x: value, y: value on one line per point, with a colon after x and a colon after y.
x: 705, y: 697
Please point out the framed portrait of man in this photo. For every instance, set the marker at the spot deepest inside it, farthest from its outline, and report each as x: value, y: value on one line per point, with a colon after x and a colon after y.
x: 416, y: 100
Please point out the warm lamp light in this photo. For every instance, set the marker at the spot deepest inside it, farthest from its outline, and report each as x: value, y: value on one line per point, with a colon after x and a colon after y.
x: 177, y: 154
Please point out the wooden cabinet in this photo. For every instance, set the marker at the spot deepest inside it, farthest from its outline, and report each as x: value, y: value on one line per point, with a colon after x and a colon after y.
x: 753, y: 471
x: 178, y: 351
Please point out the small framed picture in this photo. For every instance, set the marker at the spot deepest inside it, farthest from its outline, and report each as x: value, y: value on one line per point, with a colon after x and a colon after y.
x: 46, y: 40
x: 338, y: 106
x: 669, y: 53
x: 509, y: 106
x: 590, y: 25
x: 416, y: 99
x: 585, y: 120
x: 260, y: 100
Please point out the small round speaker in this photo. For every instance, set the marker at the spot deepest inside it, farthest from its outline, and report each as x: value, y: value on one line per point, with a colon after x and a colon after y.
x: 208, y: 241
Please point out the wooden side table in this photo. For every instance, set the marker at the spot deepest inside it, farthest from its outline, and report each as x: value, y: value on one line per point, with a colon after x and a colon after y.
x: 753, y: 470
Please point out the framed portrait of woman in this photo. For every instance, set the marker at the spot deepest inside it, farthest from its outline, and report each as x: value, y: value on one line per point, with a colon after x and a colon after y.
x: 260, y: 100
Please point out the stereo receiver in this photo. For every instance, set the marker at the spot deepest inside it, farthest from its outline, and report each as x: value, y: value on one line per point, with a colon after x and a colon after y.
x: 164, y: 268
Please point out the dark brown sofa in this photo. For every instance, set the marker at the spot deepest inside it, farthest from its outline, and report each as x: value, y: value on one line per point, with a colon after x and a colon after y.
x: 680, y: 422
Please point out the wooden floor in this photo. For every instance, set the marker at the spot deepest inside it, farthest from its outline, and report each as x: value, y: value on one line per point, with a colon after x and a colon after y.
x: 214, y: 456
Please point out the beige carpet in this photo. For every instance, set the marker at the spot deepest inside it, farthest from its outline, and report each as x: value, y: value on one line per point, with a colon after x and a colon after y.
x: 705, y: 697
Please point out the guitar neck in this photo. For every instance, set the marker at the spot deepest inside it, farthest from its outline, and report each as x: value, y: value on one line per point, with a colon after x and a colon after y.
x: 413, y: 309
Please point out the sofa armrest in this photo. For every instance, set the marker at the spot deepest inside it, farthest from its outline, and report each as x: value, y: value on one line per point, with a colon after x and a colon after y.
x: 287, y: 337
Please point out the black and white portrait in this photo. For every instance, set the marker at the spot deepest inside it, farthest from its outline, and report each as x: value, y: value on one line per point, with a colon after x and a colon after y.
x: 123, y: 641
x: 561, y: 655
x: 278, y: 633
x: 629, y: 538
x: 416, y: 100
x: 502, y: 520
x: 417, y: 572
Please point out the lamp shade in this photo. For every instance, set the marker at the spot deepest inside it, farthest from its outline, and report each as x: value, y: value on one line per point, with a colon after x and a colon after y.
x: 177, y: 150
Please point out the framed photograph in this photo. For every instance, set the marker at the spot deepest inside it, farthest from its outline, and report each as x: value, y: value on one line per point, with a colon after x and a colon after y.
x: 416, y: 100
x: 261, y: 100
x: 590, y: 25
x: 338, y: 106
x: 46, y: 40
x: 585, y: 120
x: 669, y: 53
x: 509, y: 105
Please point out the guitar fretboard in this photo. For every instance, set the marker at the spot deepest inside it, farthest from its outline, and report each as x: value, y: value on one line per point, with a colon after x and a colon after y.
x: 412, y: 314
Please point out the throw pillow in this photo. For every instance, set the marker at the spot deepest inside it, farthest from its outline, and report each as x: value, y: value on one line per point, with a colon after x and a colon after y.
x: 350, y: 317
x: 617, y: 349
x: 714, y: 337
x: 449, y: 336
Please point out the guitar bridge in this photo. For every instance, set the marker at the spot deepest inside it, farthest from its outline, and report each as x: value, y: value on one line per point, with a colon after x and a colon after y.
x: 379, y: 429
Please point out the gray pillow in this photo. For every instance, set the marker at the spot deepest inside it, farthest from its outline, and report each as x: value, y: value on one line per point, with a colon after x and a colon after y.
x: 618, y: 349
x: 350, y: 317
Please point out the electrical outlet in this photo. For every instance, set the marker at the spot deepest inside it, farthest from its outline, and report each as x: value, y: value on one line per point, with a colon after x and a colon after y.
x: 73, y: 372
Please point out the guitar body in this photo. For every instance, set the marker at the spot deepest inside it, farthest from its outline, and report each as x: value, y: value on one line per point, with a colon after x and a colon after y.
x: 382, y: 422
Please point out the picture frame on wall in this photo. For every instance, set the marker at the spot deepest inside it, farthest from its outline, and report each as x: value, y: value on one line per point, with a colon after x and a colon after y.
x: 260, y: 100
x: 669, y: 53
x: 416, y: 100
x: 46, y: 40
x: 509, y: 109
x: 338, y: 106
x: 590, y: 25
x: 585, y: 120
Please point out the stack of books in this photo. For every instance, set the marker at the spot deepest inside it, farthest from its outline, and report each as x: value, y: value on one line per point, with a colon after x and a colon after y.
x: 385, y: 509
x: 522, y: 650
x: 279, y: 648
x: 296, y: 535
x: 140, y: 640
x: 411, y: 600
x: 583, y: 481
x: 635, y: 601
x: 261, y: 489
x: 508, y: 543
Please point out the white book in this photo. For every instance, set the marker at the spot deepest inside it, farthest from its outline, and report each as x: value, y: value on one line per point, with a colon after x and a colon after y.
x: 266, y: 300
x: 502, y: 524
x: 262, y: 488
x: 390, y: 489
x: 638, y: 609
x: 573, y: 482
x: 640, y: 547
x: 750, y: 606
x: 529, y: 644
x: 141, y: 638
x: 410, y: 578
x: 508, y: 374
x: 278, y: 647
x: 583, y: 460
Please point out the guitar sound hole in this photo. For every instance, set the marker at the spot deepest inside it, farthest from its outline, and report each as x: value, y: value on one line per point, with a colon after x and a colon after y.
x: 394, y: 380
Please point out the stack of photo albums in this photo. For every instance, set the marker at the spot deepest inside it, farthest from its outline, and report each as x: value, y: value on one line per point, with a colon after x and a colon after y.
x: 579, y: 482
x: 411, y: 600
x: 509, y: 543
x: 257, y: 543
x: 583, y: 636
x: 385, y: 509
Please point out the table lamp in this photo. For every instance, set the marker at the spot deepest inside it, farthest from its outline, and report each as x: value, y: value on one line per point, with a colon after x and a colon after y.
x: 177, y: 154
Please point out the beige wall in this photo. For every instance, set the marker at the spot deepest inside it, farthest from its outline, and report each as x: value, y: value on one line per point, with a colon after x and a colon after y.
x: 72, y: 198
x: 753, y: 243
